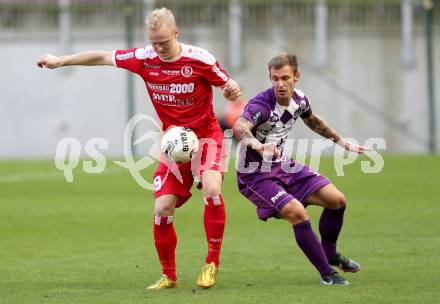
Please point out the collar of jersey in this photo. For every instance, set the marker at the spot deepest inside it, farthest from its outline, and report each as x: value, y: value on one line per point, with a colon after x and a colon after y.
x: 290, y: 108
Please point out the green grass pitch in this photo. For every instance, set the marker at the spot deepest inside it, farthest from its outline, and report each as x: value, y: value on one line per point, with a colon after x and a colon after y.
x: 91, y: 241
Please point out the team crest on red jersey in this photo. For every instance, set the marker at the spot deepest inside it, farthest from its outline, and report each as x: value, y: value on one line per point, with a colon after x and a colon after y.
x: 186, y: 71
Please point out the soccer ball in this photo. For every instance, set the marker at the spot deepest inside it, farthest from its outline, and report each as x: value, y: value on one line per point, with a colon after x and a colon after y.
x: 179, y: 144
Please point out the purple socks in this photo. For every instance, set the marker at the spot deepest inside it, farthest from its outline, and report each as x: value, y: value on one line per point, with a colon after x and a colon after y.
x: 330, y: 225
x: 310, y: 245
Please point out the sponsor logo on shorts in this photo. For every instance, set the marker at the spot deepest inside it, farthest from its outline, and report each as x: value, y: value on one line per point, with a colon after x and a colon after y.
x: 277, y: 196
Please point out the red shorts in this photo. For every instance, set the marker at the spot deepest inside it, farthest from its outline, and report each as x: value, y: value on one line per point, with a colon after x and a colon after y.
x: 171, y: 178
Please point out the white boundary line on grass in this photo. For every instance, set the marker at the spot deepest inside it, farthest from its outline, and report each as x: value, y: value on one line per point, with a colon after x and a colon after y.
x: 48, y: 175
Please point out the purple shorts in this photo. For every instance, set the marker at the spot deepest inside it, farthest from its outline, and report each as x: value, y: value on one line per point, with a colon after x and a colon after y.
x: 271, y: 191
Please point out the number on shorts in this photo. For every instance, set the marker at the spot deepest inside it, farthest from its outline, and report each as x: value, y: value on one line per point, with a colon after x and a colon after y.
x: 157, y: 183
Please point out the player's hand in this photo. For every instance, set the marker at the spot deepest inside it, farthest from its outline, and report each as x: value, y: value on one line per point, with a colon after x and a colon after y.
x: 49, y: 61
x: 269, y: 150
x: 231, y: 90
x: 353, y: 147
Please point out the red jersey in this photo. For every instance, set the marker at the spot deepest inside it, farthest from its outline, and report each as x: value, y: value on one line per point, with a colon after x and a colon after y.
x: 180, y: 90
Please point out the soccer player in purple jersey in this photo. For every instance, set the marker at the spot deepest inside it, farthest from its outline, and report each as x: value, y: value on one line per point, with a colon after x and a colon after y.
x: 263, y: 129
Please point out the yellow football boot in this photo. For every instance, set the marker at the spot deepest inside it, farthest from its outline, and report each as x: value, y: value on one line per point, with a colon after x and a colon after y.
x: 164, y: 282
x: 206, y: 279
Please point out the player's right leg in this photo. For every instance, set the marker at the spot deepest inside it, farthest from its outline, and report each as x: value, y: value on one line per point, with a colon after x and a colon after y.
x: 330, y: 225
x: 170, y: 193
x: 295, y: 213
x: 165, y: 240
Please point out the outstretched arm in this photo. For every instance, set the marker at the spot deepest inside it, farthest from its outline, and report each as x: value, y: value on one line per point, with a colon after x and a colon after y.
x: 242, y: 132
x: 86, y: 58
x: 320, y: 126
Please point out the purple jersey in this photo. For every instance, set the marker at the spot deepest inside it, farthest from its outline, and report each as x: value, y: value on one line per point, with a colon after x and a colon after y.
x: 272, y: 122
x: 270, y: 190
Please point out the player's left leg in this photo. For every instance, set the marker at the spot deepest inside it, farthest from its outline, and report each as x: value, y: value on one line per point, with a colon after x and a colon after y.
x: 330, y: 224
x: 214, y: 222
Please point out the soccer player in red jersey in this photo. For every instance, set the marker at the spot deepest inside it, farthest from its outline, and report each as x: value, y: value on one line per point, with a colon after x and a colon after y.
x: 179, y: 80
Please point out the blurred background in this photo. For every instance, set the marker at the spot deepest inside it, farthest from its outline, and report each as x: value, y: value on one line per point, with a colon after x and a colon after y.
x: 368, y: 66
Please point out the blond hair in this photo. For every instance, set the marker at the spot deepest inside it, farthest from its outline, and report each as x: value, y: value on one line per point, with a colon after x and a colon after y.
x: 160, y: 17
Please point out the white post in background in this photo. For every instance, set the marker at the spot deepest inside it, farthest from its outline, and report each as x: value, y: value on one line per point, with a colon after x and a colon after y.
x: 235, y: 39
x: 321, y: 37
x: 148, y: 7
x: 407, y: 51
x: 64, y: 27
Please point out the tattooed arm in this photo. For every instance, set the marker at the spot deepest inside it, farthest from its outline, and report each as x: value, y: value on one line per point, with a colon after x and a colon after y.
x: 320, y: 126
x: 243, y: 133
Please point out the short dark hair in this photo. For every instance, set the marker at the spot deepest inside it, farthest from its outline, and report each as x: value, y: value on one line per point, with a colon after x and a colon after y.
x: 283, y: 59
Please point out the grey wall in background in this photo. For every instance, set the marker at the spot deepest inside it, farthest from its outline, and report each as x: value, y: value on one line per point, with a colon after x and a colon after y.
x: 40, y: 107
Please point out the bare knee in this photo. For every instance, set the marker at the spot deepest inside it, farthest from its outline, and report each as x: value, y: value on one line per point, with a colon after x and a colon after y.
x: 212, y: 183
x: 165, y: 205
x: 163, y: 210
x: 338, y: 201
x: 211, y: 189
x: 342, y: 200
x: 298, y: 217
x: 294, y: 214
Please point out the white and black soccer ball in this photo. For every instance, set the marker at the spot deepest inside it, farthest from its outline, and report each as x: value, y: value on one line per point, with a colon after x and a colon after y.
x: 179, y: 144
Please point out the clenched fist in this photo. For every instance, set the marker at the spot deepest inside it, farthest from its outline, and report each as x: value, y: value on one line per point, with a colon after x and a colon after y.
x: 49, y: 61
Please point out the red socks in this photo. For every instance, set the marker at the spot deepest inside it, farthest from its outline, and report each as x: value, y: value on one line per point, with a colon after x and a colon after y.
x: 165, y: 237
x: 214, y: 221
x: 165, y: 240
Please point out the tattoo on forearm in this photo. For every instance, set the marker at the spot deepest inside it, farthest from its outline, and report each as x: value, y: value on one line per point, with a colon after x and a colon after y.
x: 244, y: 134
x: 320, y: 126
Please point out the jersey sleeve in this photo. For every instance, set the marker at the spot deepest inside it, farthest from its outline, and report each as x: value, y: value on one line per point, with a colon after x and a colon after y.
x: 207, y: 64
x: 127, y: 59
x: 216, y: 75
x: 256, y: 111
x: 305, y: 108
